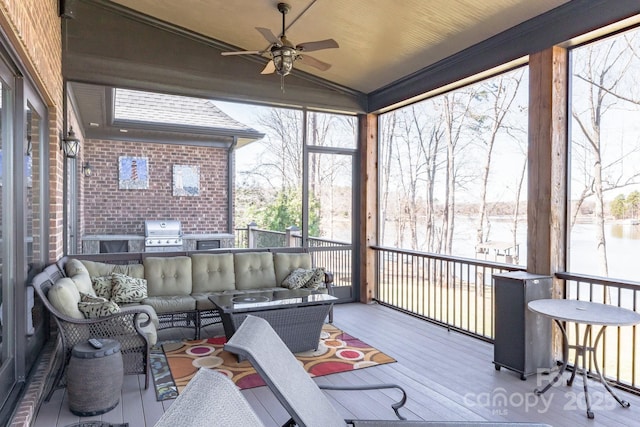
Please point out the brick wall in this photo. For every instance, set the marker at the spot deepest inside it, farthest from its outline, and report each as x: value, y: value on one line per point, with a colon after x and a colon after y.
x: 109, y: 210
x: 34, y: 31
x: 34, y: 28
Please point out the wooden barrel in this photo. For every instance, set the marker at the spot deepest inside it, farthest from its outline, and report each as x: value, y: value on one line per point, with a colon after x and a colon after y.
x: 94, y: 378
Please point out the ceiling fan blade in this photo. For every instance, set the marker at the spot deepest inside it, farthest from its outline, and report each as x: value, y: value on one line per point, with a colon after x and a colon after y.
x: 243, y: 52
x: 269, y: 68
x: 268, y: 35
x: 321, y: 44
x: 310, y: 60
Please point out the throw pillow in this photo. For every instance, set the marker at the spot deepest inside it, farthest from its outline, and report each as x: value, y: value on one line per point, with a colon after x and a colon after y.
x: 317, y: 279
x: 127, y: 289
x: 92, y: 307
x: 102, y: 285
x: 297, y: 278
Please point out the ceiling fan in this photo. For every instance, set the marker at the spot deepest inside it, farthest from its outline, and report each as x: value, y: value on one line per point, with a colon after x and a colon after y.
x: 283, y: 53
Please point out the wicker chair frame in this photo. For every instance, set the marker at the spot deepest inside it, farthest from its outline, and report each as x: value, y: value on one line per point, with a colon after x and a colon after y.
x: 124, y: 327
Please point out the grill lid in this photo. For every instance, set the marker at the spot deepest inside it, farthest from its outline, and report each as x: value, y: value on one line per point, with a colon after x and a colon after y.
x: 162, y: 228
x: 159, y: 233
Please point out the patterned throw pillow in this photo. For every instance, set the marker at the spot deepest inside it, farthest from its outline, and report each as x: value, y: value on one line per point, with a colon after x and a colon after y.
x: 127, y: 289
x: 316, y: 280
x: 102, y: 285
x: 93, y: 307
x: 297, y: 278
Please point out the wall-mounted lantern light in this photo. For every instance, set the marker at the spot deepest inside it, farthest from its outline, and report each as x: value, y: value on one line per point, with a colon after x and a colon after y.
x: 70, y: 144
x: 86, y: 169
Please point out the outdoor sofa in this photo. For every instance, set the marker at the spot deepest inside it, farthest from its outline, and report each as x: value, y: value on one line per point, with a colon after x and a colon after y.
x: 178, y: 287
x: 142, y: 292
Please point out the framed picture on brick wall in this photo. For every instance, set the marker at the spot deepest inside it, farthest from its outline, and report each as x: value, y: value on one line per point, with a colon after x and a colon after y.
x: 186, y: 180
x: 133, y: 173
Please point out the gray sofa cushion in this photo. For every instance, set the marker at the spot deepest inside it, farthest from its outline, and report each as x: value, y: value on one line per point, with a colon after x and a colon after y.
x: 213, y: 272
x: 202, y: 301
x: 103, y: 269
x: 254, y: 270
x: 171, y: 304
x: 284, y: 263
x: 168, y: 276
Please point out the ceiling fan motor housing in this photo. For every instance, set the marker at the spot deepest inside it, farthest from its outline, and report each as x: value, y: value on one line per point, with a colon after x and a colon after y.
x: 283, y: 57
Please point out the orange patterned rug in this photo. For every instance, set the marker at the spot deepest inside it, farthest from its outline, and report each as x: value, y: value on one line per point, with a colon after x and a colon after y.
x: 337, y: 352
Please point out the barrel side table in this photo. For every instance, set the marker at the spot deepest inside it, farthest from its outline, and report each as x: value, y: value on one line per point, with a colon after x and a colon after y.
x: 94, y: 378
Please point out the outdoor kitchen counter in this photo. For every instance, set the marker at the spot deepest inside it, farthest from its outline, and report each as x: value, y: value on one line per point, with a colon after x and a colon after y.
x: 209, y: 236
x: 113, y: 237
x: 209, y: 240
x: 91, y: 243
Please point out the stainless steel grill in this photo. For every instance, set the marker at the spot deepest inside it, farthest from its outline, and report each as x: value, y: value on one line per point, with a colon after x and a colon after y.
x: 162, y: 236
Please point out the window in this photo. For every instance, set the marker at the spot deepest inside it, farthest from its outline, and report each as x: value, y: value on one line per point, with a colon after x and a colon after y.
x: 453, y: 171
x: 604, y: 198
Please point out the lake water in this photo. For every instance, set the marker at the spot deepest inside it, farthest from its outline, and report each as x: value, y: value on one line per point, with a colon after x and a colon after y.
x: 623, y: 244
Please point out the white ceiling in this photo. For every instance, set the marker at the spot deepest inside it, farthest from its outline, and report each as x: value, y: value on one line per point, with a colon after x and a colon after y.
x: 380, y: 41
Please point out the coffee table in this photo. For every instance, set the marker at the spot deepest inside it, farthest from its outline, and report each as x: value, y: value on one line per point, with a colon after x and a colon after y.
x: 296, y: 315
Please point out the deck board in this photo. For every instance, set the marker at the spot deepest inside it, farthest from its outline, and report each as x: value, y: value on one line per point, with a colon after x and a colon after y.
x: 448, y: 376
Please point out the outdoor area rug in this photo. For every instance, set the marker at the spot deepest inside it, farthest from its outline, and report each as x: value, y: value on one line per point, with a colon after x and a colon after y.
x: 173, y: 364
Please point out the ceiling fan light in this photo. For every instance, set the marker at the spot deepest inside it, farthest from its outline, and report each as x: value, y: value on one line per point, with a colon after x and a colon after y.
x: 283, y: 58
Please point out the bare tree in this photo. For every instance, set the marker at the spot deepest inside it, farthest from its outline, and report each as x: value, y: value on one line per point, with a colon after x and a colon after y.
x: 387, y: 131
x: 601, y: 68
x: 456, y: 108
x: 498, y: 95
x: 281, y: 164
x: 411, y: 143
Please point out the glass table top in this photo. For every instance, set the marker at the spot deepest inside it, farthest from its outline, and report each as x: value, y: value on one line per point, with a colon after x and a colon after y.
x: 241, y: 301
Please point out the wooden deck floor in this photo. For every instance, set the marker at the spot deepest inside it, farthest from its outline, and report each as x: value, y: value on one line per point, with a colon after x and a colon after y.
x: 447, y: 375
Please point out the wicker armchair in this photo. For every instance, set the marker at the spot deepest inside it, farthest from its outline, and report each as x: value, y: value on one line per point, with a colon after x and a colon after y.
x: 125, y: 326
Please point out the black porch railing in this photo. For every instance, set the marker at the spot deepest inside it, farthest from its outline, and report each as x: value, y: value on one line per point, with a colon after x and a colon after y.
x: 458, y: 293
x: 617, y: 355
x: 452, y: 291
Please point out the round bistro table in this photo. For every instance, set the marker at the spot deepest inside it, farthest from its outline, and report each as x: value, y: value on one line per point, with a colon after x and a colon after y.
x: 589, y: 314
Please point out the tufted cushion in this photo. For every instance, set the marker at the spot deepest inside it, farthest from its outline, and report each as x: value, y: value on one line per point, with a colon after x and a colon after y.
x: 298, y: 278
x: 64, y: 296
x: 127, y: 289
x: 167, y: 276
x: 213, y: 272
x: 102, y: 286
x: 254, y: 270
x: 102, y: 269
x: 284, y: 263
x: 93, y: 307
x: 316, y: 280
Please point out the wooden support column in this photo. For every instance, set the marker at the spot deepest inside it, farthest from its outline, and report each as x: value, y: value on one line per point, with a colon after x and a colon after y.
x: 368, y: 213
x: 547, y: 201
